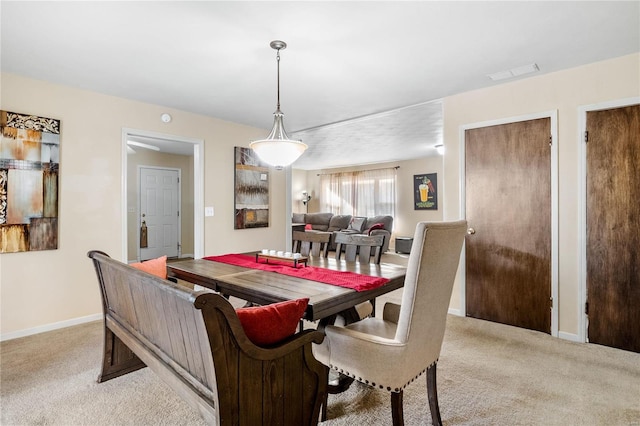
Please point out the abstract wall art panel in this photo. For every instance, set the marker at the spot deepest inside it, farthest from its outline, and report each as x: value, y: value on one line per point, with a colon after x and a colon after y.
x: 29, y: 170
x: 251, y: 190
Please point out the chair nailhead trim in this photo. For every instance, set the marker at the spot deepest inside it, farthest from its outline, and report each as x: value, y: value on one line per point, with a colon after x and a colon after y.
x: 340, y: 370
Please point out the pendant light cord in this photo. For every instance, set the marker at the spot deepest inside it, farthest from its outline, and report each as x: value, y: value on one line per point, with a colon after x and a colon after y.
x: 278, y: 62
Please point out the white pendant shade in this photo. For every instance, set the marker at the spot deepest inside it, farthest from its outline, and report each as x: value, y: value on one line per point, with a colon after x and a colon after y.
x: 278, y: 153
x: 278, y: 149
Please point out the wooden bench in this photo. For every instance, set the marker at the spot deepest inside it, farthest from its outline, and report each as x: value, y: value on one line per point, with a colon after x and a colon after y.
x: 194, y: 341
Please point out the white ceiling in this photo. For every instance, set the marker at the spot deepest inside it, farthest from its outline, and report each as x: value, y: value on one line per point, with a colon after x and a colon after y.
x: 344, y: 59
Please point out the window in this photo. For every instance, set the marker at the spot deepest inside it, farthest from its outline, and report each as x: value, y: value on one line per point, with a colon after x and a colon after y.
x: 361, y: 193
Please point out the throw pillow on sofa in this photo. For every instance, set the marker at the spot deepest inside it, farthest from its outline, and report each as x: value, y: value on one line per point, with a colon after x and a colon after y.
x: 374, y: 226
x: 357, y: 224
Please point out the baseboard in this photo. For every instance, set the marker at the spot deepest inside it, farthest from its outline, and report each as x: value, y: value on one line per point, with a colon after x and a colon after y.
x: 569, y: 336
x: 49, y: 327
x: 455, y: 312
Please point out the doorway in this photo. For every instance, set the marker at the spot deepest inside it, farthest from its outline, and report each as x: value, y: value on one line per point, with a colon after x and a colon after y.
x: 612, y: 220
x: 188, y: 149
x: 509, y: 199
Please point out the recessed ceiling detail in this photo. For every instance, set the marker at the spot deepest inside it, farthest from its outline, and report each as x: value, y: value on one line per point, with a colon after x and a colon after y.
x: 400, y: 134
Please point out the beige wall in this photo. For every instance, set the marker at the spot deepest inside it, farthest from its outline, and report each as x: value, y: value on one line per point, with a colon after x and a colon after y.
x: 145, y: 157
x: 406, y: 218
x: 564, y: 91
x: 39, y: 290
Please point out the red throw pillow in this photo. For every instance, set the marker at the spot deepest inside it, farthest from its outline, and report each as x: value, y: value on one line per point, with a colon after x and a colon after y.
x: 308, y: 227
x: 269, y: 324
x: 375, y: 226
x: 157, y: 267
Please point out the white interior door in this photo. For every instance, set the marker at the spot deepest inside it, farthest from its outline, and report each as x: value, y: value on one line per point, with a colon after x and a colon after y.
x: 160, y: 211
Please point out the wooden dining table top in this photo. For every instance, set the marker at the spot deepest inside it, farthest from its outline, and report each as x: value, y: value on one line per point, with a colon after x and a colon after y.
x: 264, y: 287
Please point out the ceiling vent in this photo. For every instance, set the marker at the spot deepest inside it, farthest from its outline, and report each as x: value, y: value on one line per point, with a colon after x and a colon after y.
x: 514, y: 72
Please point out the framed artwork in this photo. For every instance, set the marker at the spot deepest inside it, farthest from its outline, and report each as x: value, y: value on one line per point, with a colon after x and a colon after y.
x: 251, y: 190
x: 29, y: 169
x: 425, y: 191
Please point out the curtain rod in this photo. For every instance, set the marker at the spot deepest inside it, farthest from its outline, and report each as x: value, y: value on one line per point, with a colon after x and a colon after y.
x: 365, y: 170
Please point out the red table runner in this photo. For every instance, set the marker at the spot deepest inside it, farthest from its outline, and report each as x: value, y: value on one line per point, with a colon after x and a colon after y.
x: 346, y: 279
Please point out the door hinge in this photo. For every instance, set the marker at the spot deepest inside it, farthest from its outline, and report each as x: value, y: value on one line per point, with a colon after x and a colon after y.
x: 586, y: 136
x: 178, y: 180
x: 550, y: 140
x: 551, y: 302
x: 178, y: 213
x: 586, y: 308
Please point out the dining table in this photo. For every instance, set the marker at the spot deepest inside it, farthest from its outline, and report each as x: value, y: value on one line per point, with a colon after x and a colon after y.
x: 263, y: 287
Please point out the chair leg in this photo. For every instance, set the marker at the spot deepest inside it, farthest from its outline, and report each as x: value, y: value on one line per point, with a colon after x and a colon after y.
x: 323, y: 417
x: 396, y: 408
x: 433, y: 396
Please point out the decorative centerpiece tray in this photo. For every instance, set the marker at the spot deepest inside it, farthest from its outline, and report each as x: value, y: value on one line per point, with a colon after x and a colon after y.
x: 295, y: 261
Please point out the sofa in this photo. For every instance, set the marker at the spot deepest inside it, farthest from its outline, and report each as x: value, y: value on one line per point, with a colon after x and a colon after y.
x: 328, y: 222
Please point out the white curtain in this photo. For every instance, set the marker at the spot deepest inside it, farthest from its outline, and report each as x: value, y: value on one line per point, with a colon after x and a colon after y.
x: 360, y: 193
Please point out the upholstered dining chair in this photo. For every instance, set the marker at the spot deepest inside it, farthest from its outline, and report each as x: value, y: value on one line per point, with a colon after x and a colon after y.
x: 391, y: 352
x: 311, y: 243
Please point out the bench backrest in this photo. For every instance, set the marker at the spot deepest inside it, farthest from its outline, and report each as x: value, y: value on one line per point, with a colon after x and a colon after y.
x: 162, y: 316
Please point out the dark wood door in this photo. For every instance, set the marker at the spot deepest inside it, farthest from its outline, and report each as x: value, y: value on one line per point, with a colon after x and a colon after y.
x: 613, y: 227
x: 508, y: 205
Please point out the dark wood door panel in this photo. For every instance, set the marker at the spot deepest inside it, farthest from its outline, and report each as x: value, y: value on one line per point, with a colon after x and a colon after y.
x: 508, y: 204
x: 613, y: 227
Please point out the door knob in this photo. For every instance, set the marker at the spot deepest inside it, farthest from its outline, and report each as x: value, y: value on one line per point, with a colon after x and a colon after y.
x: 471, y: 231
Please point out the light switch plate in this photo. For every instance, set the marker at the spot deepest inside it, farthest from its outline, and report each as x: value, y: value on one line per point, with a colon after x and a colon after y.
x: 208, y: 211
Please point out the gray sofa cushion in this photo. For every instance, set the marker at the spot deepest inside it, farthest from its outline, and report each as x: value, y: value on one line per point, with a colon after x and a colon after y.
x: 387, y: 221
x: 338, y: 222
x: 318, y: 221
x: 297, y: 218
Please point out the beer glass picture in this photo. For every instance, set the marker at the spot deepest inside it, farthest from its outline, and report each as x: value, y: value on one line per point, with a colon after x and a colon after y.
x: 425, y: 191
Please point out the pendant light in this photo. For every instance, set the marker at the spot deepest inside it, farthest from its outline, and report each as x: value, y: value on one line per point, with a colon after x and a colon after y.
x: 278, y: 149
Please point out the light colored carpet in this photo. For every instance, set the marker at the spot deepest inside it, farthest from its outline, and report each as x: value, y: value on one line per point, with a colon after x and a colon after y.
x: 489, y: 374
